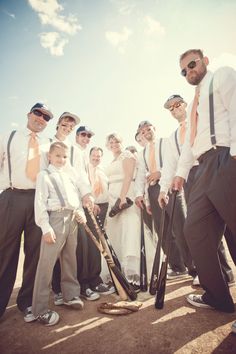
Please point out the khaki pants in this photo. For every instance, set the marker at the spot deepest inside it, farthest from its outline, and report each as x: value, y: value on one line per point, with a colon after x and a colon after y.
x: 65, y: 228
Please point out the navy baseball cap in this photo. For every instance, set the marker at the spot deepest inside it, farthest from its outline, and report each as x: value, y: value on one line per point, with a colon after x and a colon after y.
x: 173, y: 99
x: 42, y: 108
x: 84, y: 128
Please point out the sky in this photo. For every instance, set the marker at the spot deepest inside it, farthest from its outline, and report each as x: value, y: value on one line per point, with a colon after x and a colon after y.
x: 112, y: 62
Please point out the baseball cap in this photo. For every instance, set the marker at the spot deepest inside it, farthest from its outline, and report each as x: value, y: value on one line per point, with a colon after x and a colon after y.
x: 144, y: 122
x: 71, y: 115
x: 173, y: 99
x: 84, y: 128
x: 42, y: 108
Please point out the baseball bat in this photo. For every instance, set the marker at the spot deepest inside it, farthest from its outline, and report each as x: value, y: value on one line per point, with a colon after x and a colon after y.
x: 143, y: 262
x: 113, y: 253
x: 122, y: 281
x: 161, y: 283
x: 156, y: 261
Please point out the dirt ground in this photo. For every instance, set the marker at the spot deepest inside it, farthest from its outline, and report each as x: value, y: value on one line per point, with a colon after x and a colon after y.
x: 178, y: 328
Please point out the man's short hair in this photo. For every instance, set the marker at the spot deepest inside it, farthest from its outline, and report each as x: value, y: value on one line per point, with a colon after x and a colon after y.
x: 57, y: 144
x: 95, y: 148
x: 190, y: 51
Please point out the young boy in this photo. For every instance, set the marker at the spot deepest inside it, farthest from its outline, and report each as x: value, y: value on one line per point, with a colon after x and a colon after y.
x: 56, y: 200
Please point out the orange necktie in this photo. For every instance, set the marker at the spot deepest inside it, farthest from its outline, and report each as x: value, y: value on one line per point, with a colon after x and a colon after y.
x: 97, y: 187
x: 152, y: 160
x: 194, y: 116
x: 33, y: 160
x: 182, y: 132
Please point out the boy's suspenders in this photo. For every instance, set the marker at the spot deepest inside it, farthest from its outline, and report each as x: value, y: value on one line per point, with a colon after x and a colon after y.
x: 58, y: 192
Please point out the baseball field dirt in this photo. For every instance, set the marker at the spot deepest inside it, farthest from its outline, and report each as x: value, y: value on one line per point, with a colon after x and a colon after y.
x: 178, y: 328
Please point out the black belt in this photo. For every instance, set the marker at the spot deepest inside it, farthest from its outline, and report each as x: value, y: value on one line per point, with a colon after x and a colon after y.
x: 21, y: 190
x: 212, y: 151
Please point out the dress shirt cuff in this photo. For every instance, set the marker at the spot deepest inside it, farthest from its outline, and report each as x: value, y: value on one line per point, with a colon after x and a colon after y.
x: 164, y: 188
x: 46, y: 228
x: 233, y: 149
x: 182, y: 172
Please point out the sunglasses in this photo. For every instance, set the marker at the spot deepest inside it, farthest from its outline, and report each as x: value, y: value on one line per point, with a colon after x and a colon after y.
x: 40, y: 114
x: 191, y: 65
x: 86, y: 134
x: 71, y: 127
x: 175, y: 105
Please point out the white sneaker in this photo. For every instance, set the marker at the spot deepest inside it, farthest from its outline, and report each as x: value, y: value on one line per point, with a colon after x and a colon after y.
x: 75, y: 303
x: 28, y: 315
x: 89, y: 295
x: 49, y: 318
x: 234, y: 327
x: 196, y: 281
x: 196, y: 300
x: 58, y: 299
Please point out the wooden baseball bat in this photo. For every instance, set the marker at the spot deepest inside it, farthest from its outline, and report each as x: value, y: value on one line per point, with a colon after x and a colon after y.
x: 123, y: 282
x: 113, y: 253
x: 161, y: 283
x: 156, y: 261
x: 143, y: 262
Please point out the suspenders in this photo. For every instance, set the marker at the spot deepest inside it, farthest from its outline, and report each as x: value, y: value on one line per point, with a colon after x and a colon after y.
x: 160, y: 155
x: 211, y: 119
x: 176, y: 141
x: 211, y: 111
x: 9, y: 155
x: 60, y: 197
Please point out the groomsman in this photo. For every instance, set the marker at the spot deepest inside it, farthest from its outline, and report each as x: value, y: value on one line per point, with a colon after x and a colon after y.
x: 211, y: 138
x: 177, y: 107
x: 149, y: 171
x: 88, y: 256
x: 22, y: 154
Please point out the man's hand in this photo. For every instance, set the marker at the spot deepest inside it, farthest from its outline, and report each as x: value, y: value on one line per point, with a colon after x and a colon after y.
x: 49, y: 237
x: 153, y: 177
x: 88, y: 201
x: 149, y: 210
x: 234, y: 157
x: 139, y: 201
x: 80, y: 217
x: 96, y: 210
x: 163, y: 199
x: 177, y: 183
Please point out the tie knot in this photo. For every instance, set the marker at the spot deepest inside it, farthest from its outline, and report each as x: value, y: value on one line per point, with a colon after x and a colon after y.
x: 33, y: 135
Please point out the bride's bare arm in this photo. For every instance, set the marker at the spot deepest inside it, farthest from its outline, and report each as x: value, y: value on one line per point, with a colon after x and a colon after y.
x: 128, y: 167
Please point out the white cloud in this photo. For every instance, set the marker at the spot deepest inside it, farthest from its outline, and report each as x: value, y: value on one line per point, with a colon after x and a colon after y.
x: 13, y: 98
x: 10, y: 14
x: 118, y: 39
x: 225, y: 59
x: 49, y: 13
x: 54, y: 42
x: 153, y: 26
x: 124, y: 7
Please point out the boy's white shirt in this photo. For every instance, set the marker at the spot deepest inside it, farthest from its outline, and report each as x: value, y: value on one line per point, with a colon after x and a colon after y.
x: 46, y: 198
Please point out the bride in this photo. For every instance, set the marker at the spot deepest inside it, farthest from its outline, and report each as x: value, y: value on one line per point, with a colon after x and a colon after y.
x: 124, y: 228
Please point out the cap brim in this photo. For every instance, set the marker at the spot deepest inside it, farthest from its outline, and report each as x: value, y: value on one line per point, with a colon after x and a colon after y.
x: 43, y: 111
x: 170, y: 103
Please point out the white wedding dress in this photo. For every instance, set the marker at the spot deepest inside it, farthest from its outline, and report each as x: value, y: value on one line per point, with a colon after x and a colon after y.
x: 124, y: 229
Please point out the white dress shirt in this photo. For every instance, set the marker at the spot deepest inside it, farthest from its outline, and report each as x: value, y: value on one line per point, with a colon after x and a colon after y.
x: 224, y: 91
x: 18, y: 157
x: 172, y: 155
x: 141, y: 177
x: 46, y: 197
